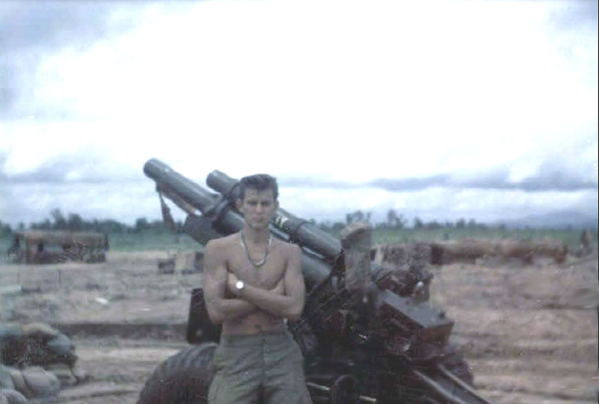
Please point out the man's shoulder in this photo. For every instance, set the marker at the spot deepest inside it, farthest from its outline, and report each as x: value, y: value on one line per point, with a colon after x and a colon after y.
x: 287, y: 248
x: 221, y: 242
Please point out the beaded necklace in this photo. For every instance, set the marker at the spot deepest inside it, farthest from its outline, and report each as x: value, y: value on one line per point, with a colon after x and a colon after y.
x: 262, y: 261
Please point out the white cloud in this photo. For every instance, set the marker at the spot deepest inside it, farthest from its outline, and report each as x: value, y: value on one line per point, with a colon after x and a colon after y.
x: 346, y: 91
x: 271, y: 76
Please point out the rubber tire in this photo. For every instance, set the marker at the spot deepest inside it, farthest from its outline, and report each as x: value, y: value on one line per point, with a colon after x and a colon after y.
x: 184, y: 378
x: 456, y: 364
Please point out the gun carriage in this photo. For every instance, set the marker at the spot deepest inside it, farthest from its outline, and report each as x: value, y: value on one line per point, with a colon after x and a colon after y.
x: 367, y: 333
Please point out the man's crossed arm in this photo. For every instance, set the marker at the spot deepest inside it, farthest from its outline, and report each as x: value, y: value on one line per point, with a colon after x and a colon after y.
x: 287, y: 305
x: 286, y: 300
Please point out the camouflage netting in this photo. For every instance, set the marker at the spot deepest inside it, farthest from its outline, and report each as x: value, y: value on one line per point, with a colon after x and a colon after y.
x: 35, y: 360
x: 34, y: 344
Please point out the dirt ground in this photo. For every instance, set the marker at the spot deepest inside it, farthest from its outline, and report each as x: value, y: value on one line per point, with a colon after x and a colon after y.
x: 528, y: 332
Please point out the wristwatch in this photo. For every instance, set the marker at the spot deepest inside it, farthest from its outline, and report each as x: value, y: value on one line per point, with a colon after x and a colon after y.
x: 239, y: 285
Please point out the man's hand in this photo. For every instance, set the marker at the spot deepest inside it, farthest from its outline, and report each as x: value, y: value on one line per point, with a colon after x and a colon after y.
x: 279, y: 288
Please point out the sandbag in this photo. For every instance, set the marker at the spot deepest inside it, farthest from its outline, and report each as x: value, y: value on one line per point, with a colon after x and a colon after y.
x: 39, y: 330
x: 12, y: 397
x: 40, y: 382
x: 17, y: 379
x: 35, y: 344
x: 10, y: 331
x: 5, y: 379
x: 33, y: 382
x: 64, y: 373
x: 62, y: 345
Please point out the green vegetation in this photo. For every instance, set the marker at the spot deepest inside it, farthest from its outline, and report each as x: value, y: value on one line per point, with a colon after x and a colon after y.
x: 151, y: 240
x: 162, y: 239
x: 395, y: 230
x: 5, y: 243
x: 145, y: 235
x: 568, y: 237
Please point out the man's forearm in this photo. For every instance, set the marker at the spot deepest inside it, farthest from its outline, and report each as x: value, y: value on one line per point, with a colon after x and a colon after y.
x: 273, y: 303
x: 229, y: 309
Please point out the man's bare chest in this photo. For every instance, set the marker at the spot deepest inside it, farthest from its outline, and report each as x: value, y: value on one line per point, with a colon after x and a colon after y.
x: 265, y: 276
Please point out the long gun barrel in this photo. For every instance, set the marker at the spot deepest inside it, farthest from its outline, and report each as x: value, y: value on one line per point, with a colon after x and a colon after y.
x: 299, y: 230
x: 319, y: 247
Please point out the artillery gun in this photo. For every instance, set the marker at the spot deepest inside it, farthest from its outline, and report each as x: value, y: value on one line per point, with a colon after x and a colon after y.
x: 367, y: 333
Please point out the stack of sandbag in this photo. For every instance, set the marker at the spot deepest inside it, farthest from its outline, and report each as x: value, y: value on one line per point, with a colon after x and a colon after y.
x: 19, y: 385
x: 8, y: 394
x: 68, y: 376
x: 35, y: 361
x: 12, y: 397
x: 35, y: 344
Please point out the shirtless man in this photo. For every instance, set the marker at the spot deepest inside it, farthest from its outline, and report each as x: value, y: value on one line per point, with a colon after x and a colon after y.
x: 252, y: 283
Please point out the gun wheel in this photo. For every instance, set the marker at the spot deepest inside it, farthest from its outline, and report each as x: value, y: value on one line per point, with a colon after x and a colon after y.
x: 184, y: 378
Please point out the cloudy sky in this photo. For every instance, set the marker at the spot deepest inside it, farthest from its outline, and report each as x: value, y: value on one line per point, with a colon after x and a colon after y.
x: 441, y: 109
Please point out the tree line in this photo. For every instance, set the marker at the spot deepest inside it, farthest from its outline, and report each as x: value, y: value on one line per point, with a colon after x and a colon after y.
x: 396, y: 220
x: 74, y: 222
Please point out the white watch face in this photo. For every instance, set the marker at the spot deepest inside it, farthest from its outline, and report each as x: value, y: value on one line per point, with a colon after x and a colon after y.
x: 239, y: 285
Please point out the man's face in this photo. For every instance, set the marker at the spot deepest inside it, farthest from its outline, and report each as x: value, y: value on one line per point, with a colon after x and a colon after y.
x: 258, y: 207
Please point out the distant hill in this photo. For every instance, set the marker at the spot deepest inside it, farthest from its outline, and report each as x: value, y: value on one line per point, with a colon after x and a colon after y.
x: 555, y: 220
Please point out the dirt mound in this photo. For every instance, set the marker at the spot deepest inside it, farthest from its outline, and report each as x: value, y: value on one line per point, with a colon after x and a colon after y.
x: 471, y: 250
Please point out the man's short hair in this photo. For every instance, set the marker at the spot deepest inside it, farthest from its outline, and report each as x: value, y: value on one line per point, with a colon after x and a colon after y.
x: 259, y: 182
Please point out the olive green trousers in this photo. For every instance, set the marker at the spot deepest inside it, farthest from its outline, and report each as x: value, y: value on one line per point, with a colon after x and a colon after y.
x: 264, y: 368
